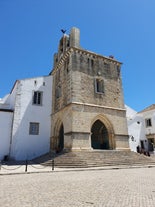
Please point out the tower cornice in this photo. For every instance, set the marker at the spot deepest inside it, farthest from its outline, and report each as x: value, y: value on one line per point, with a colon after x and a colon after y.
x: 82, y: 52
x: 95, y: 55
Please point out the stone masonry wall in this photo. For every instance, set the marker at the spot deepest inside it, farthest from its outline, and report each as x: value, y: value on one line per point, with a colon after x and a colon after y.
x: 86, y: 70
x: 78, y: 120
x: 74, y: 81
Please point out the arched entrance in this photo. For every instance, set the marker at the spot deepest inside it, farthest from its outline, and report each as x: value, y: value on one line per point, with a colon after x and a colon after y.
x: 99, y: 136
x: 61, y: 138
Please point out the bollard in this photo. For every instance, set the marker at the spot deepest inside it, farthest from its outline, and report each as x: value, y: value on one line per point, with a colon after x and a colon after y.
x: 53, y: 164
x: 26, y: 164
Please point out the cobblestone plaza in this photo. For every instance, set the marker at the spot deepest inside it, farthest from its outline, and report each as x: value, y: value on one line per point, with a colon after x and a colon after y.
x: 101, y: 188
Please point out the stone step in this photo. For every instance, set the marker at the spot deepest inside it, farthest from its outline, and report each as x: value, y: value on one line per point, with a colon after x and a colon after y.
x: 96, y: 159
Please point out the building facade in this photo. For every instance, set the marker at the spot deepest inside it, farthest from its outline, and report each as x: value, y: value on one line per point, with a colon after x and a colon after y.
x: 141, y: 128
x: 5, y: 131
x: 88, y: 109
x: 27, y: 110
x: 79, y: 106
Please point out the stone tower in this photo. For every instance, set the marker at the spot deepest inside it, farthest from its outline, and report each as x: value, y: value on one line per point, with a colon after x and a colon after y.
x: 88, y: 108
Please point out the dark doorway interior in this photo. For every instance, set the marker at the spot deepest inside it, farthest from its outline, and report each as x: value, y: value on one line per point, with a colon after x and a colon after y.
x: 151, y: 144
x: 99, y: 137
x: 61, y: 139
x: 142, y: 144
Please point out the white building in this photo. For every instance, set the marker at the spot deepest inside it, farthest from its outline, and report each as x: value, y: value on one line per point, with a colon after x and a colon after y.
x: 6, y: 116
x: 148, y: 115
x: 25, y: 119
x: 141, y: 128
x: 6, y: 120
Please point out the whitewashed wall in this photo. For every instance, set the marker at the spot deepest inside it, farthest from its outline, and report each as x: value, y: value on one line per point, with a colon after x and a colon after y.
x: 26, y: 146
x: 5, y: 132
x: 6, y: 117
x: 136, y: 130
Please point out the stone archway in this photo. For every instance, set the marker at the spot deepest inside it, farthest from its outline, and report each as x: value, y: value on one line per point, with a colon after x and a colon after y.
x: 58, y: 138
x: 99, y: 136
x: 61, y: 138
x: 102, y: 134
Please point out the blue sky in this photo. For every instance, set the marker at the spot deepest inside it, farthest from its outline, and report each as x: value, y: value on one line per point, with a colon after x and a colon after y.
x: 30, y: 31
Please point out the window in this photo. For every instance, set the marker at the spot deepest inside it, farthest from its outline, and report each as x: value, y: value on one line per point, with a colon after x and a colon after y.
x: 148, y: 122
x: 34, y: 128
x: 35, y: 82
x: 58, y: 92
x: 118, y: 70
x: 37, y: 97
x: 92, y: 63
x: 99, y: 86
x: 67, y: 65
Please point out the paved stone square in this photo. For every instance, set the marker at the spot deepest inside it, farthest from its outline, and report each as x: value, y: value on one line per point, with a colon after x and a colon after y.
x: 101, y: 188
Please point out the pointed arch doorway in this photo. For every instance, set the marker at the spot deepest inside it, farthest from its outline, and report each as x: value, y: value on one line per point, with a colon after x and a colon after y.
x: 61, y: 138
x: 101, y: 136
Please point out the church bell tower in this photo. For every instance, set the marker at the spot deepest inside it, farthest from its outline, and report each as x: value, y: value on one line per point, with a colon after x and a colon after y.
x: 87, y: 106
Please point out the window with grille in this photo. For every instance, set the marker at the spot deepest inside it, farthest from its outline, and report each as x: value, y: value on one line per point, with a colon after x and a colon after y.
x: 34, y: 128
x: 37, y: 97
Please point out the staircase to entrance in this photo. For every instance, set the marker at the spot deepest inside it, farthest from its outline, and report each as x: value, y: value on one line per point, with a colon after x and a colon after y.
x: 96, y: 158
